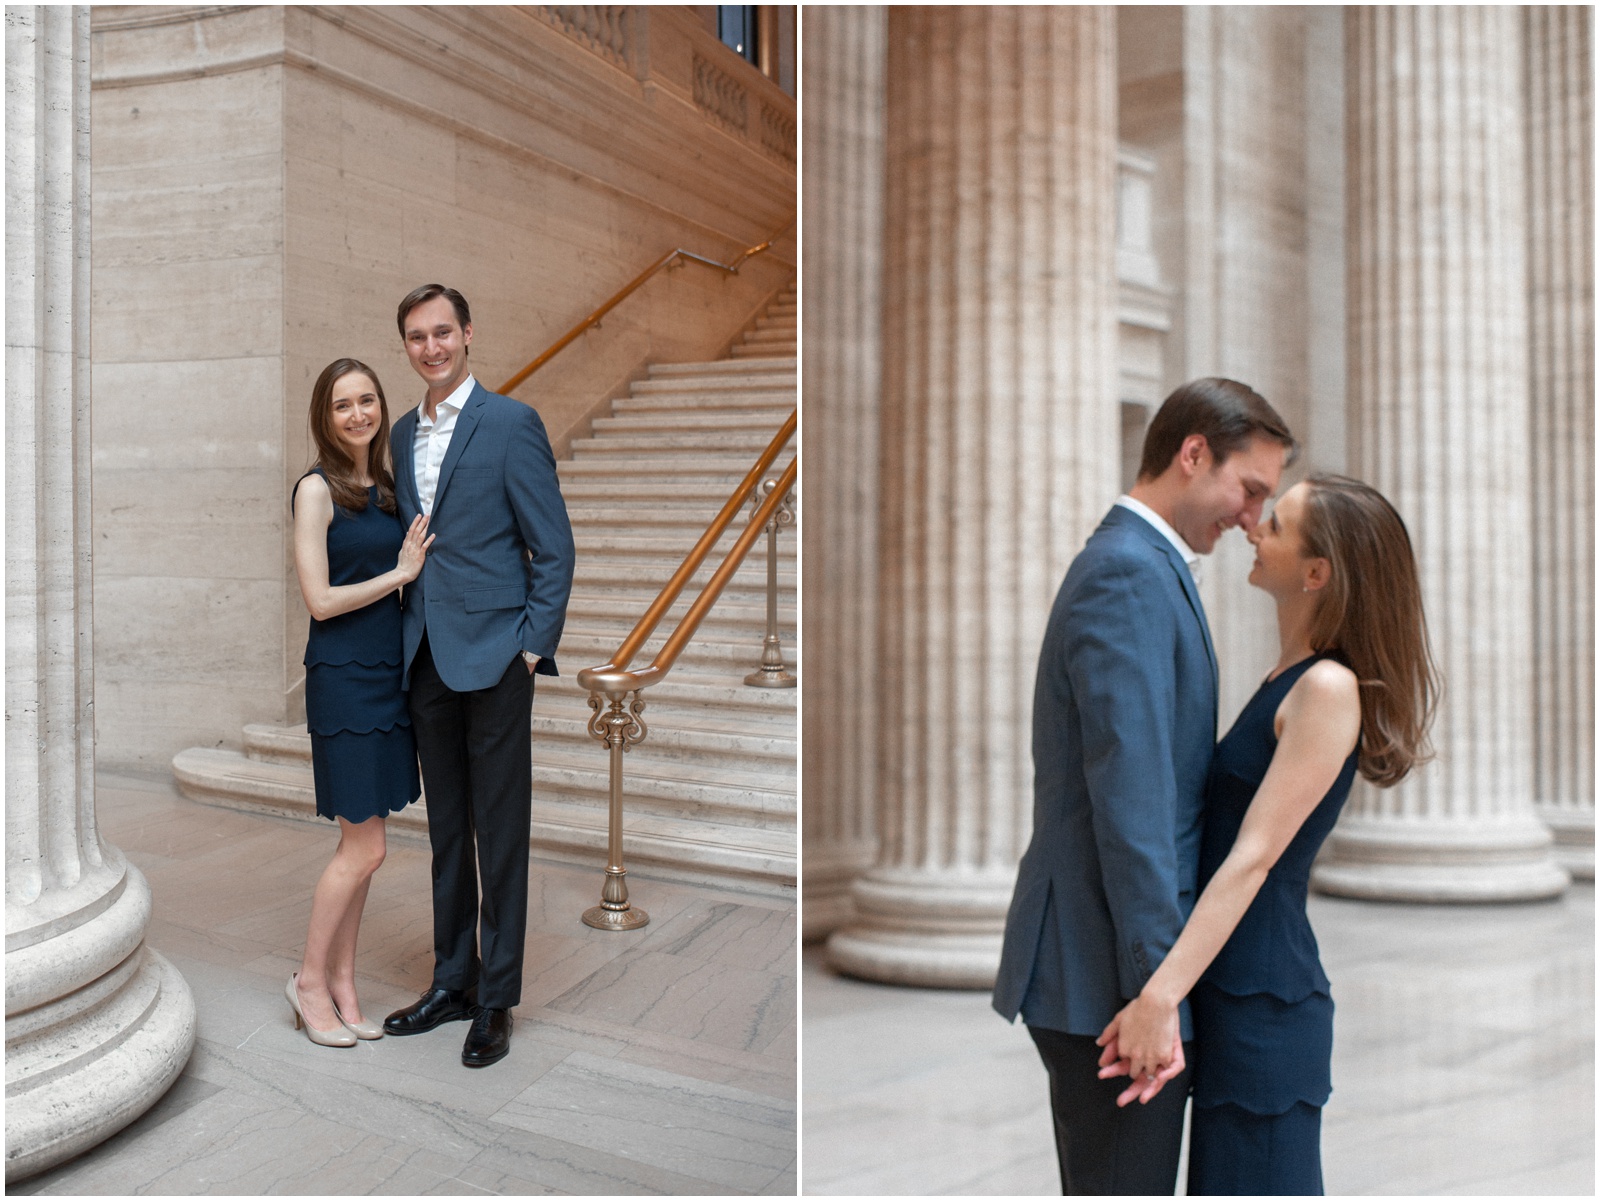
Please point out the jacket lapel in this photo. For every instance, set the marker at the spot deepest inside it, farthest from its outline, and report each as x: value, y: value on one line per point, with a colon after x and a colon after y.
x: 466, y: 423
x: 1185, y: 578
x: 402, y: 449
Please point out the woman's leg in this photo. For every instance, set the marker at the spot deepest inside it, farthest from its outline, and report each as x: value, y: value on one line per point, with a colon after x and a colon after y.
x: 336, y: 904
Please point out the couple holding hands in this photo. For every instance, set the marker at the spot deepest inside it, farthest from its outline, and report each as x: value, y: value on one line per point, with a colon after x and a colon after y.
x: 438, y: 588
x: 1158, y: 929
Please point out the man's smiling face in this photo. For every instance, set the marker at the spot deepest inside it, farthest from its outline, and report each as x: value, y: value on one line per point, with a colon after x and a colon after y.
x: 437, y: 345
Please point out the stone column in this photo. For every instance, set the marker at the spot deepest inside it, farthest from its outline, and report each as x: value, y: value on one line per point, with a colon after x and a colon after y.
x: 97, y: 1026
x: 842, y: 317
x: 1560, y: 98
x: 1439, y: 422
x: 999, y: 450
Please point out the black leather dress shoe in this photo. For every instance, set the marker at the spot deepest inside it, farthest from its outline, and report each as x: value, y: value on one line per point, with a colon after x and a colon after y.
x: 489, y: 1039
x: 429, y: 1010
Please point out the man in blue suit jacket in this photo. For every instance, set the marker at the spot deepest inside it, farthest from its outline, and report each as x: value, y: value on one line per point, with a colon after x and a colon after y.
x: 481, y: 620
x: 1124, y: 722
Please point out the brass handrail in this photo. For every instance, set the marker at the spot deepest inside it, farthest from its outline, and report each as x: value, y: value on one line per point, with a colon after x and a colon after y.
x: 628, y: 289
x: 621, y: 726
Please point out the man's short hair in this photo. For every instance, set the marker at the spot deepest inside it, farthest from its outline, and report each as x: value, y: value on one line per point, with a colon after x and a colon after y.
x: 1223, y: 411
x: 426, y: 293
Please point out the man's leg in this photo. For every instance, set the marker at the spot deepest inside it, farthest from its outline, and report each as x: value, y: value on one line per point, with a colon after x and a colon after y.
x: 501, y: 771
x: 1103, y: 1150
x: 439, y: 721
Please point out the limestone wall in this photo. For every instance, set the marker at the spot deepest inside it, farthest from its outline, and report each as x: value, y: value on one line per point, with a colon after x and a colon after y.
x: 270, y: 181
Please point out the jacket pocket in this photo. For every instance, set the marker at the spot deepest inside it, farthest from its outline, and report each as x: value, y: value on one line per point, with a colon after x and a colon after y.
x: 484, y: 599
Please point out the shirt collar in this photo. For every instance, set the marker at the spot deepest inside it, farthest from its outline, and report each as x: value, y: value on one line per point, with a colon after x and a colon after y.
x: 455, y: 402
x: 1190, y: 556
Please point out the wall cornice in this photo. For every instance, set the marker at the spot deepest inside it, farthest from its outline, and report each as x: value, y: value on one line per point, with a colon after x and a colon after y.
x: 513, y: 80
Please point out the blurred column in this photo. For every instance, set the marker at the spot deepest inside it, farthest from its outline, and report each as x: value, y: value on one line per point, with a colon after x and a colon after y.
x: 842, y: 316
x: 1439, y: 422
x: 1560, y: 99
x: 97, y: 1026
x: 999, y: 450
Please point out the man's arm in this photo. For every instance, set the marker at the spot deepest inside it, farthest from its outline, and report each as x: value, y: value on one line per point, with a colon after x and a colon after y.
x: 1119, y: 659
x: 542, y: 520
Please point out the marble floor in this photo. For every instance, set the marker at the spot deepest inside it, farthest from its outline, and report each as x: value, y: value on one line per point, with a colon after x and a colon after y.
x: 1463, y: 1064
x: 655, y: 1062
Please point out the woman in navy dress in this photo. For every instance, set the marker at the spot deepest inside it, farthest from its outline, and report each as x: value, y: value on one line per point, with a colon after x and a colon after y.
x: 1353, y: 690
x: 352, y: 558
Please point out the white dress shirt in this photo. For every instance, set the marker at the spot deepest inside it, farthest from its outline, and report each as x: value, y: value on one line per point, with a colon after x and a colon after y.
x: 1190, y: 556
x: 432, y: 440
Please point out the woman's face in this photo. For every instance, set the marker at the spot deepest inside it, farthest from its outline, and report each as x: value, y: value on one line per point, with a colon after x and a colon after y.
x: 1281, y: 566
x: 356, y: 410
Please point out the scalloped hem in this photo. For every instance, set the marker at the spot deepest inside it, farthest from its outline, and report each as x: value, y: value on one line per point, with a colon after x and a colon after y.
x: 1287, y: 998
x: 356, y: 821
x: 1256, y: 1107
x: 353, y: 661
x: 398, y: 723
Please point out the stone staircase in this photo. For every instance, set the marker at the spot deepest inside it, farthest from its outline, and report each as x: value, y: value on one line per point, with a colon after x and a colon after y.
x: 711, y: 793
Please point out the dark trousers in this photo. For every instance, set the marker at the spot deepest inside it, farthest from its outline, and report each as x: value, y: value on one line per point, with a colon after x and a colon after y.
x: 1103, y: 1150
x: 478, y: 780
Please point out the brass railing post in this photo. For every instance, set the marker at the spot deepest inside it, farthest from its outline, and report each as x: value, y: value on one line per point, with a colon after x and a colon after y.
x: 619, y: 729
x: 773, y: 672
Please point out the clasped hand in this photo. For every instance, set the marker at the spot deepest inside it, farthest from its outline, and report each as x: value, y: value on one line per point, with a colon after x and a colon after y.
x: 414, y: 550
x: 1143, y: 1041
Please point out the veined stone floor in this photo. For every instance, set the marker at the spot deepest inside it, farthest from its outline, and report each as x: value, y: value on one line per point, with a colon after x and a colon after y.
x: 1463, y: 1064
x: 654, y: 1062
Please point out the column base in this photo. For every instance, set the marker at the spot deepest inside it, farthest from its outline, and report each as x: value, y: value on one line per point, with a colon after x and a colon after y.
x: 1410, y: 859
x: 1573, y: 828
x: 83, y: 1067
x: 925, y: 929
x: 829, y: 872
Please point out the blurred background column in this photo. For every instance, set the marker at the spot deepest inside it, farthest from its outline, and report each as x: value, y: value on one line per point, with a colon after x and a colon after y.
x: 999, y: 450
x: 97, y: 1025
x: 842, y: 316
x: 1440, y: 423
x: 1561, y: 325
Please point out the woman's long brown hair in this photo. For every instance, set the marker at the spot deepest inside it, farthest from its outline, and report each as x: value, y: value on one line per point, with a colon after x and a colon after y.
x: 1371, y: 613
x: 337, y: 465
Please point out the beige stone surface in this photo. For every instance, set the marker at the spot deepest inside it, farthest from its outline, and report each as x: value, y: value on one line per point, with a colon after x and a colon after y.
x: 844, y: 139
x: 97, y: 1024
x: 990, y: 483
x: 269, y: 182
x: 1440, y: 423
x: 1560, y: 132
x: 659, y: 1061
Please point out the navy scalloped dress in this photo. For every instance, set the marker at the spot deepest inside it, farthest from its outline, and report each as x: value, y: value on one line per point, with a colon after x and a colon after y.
x: 1263, y: 1015
x: 363, y: 755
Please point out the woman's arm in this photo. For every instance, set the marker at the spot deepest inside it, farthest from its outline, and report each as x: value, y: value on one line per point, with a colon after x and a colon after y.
x: 1318, y: 723
x: 313, y: 513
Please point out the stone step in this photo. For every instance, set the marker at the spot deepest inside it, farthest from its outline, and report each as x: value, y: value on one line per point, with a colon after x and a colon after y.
x: 600, y: 491
x: 665, y: 420
x: 718, y: 369
x: 781, y: 378
x: 750, y: 353
x: 691, y: 444
x: 789, y: 320
x: 640, y: 468
x: 569, y: 826
x: 618, y: 573
x: 771, y: 333
x: 779, y: 401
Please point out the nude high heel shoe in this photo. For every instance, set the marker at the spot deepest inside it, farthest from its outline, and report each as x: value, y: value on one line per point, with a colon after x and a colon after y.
x: 368, y: 1030
x: 323, y: 1038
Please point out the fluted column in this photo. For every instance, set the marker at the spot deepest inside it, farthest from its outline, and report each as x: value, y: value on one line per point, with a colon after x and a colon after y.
x: 1439, y: 422
x: 97, y: 1026
x: 842, y: 317
x: 1560, y: 99
x: 999, y: 450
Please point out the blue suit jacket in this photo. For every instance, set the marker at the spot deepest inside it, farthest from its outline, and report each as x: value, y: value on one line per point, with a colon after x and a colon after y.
x: 1124, y: 722
x: 500, y: 570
